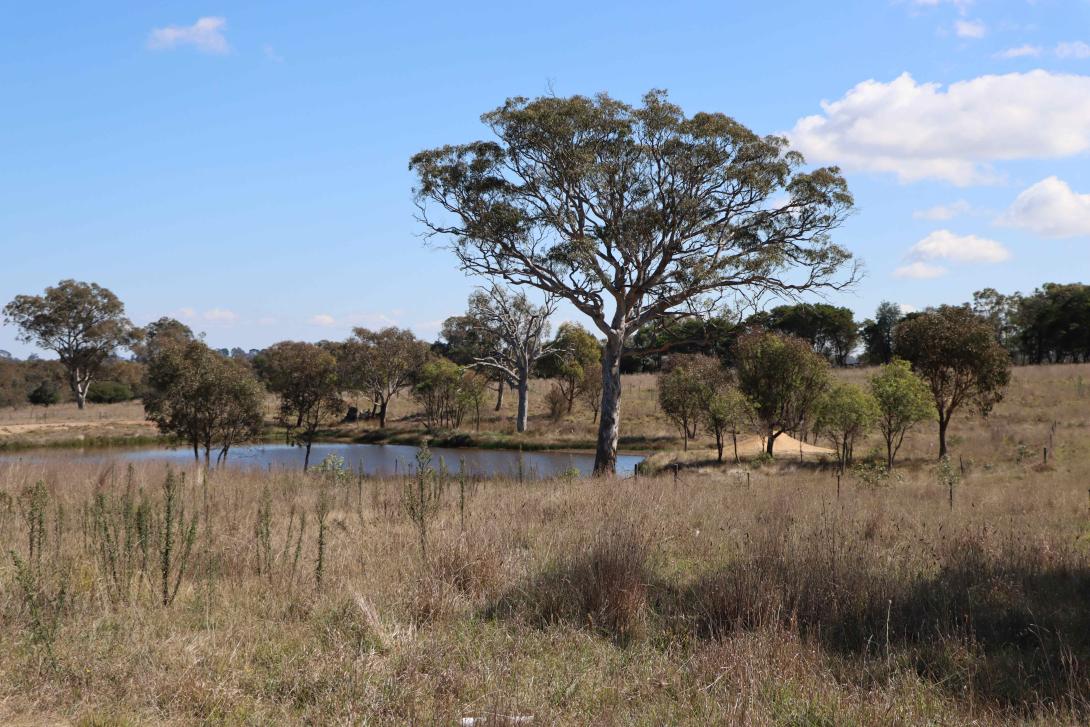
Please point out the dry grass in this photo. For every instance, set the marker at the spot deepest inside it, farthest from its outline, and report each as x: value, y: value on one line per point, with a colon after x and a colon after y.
x: 651, y: 601
x: 33, y: 425
x: 627, y: 602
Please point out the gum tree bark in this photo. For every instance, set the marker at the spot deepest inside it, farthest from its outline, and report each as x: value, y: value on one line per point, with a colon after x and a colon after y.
x: 609, y: 423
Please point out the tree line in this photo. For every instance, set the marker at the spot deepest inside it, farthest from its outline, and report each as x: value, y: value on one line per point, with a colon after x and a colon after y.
x: 777, y: 383
x: 941, y: 361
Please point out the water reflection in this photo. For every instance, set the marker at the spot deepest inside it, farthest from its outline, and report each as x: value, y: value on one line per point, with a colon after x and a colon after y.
x: 383, y: 459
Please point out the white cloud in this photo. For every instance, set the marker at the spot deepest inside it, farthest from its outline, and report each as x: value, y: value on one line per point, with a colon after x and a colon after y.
x: 1050, y: 208
x: 907, y: 308
x: 206, y: 35
x: 220, y: 315
x: 943, y: 211
x: 970, y: 29
x: 323, y: 319
x: 1022, y: 51
x: 920, y: 271
x: 373, y: 320
x: 1073, y: 49
x: 185, y: 313
x: 945, y: 245
x: 923, y: 131
x: 961, y: 5
x: 271, y: 54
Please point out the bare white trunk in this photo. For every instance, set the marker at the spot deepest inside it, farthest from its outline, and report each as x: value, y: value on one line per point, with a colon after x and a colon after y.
x: 524, y: 396
x: 609, y: 422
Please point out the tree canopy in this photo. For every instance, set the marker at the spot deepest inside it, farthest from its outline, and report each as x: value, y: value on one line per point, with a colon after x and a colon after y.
x: 956, y: 352
x: 576, y: 355
x: 684, y: 388
x: 903, y: 400
x: 843, y: 414
x: 831, y: 330
x: 877, y: 333
x: 783, y: 377
x: 202, y: 397
x: 632, y: 214
x: 304, y: 377
x: 382, y: 363
x: 515, y: 333
x: 83, y: 323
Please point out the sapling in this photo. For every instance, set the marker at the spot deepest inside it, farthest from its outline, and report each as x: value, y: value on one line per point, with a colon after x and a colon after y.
x: 321, y: 511
x: 420, y: 499
x: 174, y: 548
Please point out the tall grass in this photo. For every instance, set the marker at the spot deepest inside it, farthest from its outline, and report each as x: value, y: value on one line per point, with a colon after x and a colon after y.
x: 688, y: 601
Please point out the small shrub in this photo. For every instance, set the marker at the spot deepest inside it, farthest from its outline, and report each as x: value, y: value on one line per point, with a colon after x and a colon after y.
x: 557, y: 403
x: 601, y: 585
x: 333, y: 468
x: 45, y: 394
x: 109, y: 392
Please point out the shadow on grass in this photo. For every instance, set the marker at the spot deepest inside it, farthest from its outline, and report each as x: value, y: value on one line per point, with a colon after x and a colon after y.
x: 1013, y: 633
x: 1008, y: 623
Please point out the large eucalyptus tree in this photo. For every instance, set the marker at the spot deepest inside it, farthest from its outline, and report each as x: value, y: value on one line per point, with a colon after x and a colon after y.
x: 633, y: 214
x: 83, y: 323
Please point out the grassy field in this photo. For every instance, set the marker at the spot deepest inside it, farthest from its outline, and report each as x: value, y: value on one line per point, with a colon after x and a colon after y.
x: 728, y: 595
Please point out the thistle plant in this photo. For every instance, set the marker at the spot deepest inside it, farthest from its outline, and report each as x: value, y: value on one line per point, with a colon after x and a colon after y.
x: 176, y: 543
x: 420, y: 499
x: 32, y: 505
x: 321, y: 512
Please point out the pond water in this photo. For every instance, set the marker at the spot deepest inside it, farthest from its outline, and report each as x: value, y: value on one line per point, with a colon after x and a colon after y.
x: 380, y: 459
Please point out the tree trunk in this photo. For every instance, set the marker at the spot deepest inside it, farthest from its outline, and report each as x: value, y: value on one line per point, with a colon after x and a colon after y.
x: 734, y: 438
x: 944, y: 421
x: 79, y: 389
x: 524, y: 396
x: 306, y: 457
x: 889, y: 453
x: 769, y: 443
x: 499, y: 394
x: 609, y: 420
x: 382, y: 413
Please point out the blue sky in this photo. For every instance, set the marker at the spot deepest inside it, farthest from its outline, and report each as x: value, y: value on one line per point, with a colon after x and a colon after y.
x: 243, y: 166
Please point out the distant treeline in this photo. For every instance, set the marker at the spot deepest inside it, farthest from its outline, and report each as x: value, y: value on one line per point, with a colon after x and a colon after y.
x: 45, y: 382
x: 1050, y: 325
